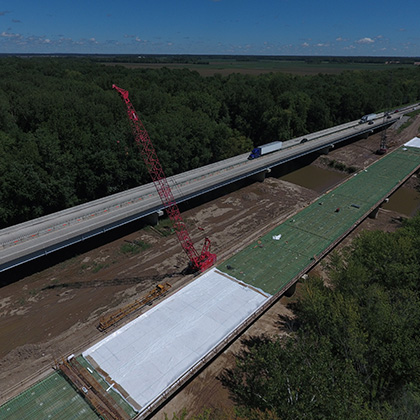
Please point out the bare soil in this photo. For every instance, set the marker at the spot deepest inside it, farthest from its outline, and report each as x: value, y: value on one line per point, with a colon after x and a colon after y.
x: 55, y: 312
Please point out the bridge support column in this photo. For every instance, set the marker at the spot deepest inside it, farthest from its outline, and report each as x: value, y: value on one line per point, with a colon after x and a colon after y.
x: 290, y: 291
x: 367, y: 134
x: 374, y: 213
x: 326, y: 150
x: 260, y: 176
x: 153, y: 218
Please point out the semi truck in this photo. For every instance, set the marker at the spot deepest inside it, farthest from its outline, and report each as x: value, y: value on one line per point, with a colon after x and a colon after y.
x: 367, y: 118
x: 265, y: 148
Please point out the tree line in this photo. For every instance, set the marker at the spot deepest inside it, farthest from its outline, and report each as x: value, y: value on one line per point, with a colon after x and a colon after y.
x: 65, y: 138
x: 205, y: 59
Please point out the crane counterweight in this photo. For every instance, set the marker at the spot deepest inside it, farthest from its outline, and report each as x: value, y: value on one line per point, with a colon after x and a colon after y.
x: 198, y: 262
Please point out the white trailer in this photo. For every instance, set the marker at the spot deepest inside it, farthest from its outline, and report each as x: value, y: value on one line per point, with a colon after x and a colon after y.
x: 265, y: 148
x: 367, y: 118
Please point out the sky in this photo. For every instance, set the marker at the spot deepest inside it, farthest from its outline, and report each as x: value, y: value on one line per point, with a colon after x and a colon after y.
x: 239, y: 27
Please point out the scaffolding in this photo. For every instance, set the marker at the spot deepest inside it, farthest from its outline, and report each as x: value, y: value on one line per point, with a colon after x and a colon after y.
x: 111, y: 319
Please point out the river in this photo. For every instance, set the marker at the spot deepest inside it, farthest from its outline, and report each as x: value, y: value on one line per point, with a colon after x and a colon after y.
x: 405, y: 200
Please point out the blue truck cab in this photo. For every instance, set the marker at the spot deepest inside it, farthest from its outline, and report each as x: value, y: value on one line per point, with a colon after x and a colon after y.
x: 255, y: 153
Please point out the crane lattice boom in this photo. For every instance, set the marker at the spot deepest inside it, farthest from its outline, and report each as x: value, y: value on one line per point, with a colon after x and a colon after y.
x: 197, y: 261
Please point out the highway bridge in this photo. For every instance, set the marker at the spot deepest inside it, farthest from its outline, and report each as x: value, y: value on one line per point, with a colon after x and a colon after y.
x: 36, y: 238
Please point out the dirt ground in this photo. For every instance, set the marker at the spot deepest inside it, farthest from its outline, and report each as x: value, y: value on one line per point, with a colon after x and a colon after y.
x: 55, y: 312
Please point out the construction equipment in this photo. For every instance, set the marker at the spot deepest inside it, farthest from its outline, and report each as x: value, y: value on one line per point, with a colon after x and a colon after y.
x: 383, y: 146
x: 109, y: 320
x: 197, y: 262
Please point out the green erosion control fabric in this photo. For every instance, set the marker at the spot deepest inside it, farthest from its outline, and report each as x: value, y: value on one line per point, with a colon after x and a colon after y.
x: 51, y: 398
x: 279, y: 256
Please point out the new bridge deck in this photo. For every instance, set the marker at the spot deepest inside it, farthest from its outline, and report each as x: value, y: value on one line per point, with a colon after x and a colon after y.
x: 271, y: 264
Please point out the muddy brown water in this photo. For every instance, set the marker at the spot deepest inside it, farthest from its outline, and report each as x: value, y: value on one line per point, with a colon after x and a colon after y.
x: 314, y: 178
x: 405, y: 200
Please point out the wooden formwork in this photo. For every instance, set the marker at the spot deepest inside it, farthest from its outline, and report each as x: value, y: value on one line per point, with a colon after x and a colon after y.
x: 91, y: 390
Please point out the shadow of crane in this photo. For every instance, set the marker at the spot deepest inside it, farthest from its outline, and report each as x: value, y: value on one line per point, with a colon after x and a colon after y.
x: 113, y: 282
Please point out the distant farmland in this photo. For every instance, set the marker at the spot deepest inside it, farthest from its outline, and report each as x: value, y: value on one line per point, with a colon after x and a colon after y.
x: 255, y: 67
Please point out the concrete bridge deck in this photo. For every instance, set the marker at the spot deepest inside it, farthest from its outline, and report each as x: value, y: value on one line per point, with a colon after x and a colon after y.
x: 272, y: 264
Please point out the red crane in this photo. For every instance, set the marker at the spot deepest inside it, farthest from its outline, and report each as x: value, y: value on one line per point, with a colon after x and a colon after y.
x: 198, y: 262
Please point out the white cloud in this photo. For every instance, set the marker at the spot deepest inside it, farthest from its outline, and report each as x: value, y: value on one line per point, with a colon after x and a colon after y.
x: 305, y: 45
x: 365, y: 41
x: 9, y: 35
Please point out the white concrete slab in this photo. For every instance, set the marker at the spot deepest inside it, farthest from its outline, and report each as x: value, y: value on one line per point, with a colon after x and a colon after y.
x: 414, y: 142
x: 150, y: 353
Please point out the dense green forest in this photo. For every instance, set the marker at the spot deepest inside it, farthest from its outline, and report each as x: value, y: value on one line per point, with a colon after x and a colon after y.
x: 65, y: 138
x: 352, y: 346
x: 205, y: 59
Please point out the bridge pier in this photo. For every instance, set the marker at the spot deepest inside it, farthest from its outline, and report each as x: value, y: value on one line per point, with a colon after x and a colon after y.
x: 326, y: 150
x: 374, y: 213
x: 260, y: 176
x: 367, y: 134
x: 153, y: 218
x: 290, y: 291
